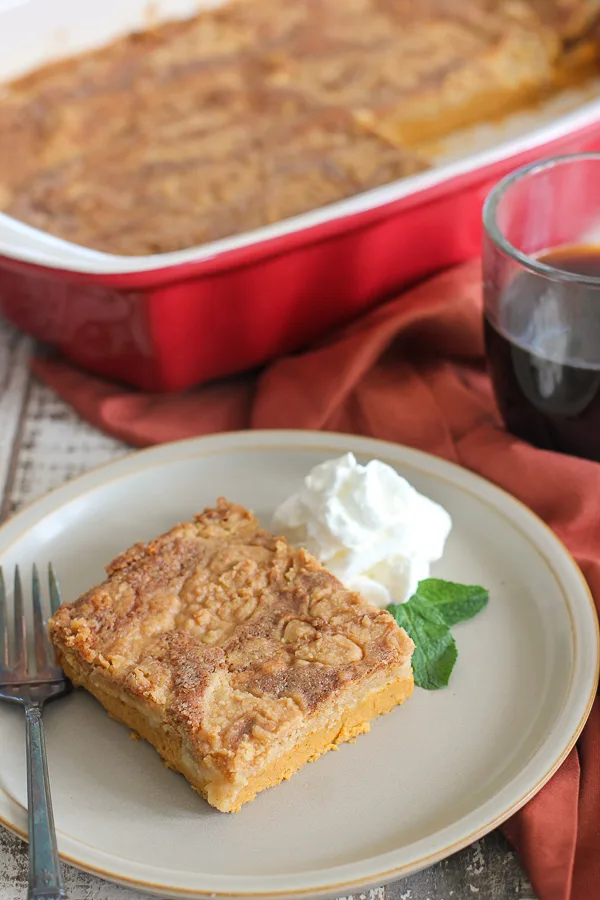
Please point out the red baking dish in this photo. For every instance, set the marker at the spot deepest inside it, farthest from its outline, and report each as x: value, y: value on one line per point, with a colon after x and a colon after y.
x: 174, y: 320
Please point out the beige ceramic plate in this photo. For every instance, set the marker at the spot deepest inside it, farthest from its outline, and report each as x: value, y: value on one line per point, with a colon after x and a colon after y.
x: 430, y: 777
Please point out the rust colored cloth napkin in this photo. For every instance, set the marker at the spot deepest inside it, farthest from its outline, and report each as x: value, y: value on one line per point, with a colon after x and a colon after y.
x: 412, y: 372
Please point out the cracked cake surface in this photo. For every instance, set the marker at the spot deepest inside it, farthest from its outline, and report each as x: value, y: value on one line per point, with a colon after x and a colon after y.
x: 237, y: 656
x: 196, y: 130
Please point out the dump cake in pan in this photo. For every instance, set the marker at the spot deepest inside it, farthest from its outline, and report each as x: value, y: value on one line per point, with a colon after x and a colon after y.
x: 237, y: 657
x: 263, y: 109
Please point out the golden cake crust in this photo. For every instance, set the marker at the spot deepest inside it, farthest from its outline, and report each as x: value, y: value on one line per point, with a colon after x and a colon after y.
x: 197, y: 130
x: 225, y: 634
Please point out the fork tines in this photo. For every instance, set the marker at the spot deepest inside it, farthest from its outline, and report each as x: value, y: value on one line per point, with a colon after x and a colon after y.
x: 15, y: 660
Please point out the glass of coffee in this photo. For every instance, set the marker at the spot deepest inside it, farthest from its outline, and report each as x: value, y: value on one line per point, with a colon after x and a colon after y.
x: 542, y: 302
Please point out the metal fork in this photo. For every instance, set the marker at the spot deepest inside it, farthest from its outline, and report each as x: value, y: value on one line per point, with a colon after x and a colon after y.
x: 31, y: 685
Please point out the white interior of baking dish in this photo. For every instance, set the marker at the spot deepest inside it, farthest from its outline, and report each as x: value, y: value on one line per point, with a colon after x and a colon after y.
x: 33, y: 32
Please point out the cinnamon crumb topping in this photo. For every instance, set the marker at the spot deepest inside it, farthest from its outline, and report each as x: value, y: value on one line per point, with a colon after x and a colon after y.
x: 223, y: 629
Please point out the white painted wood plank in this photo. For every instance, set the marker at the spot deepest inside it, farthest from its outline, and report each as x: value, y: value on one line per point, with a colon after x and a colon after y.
x: 15, y: 350
x: 488, y: 870
x: 55, y: 446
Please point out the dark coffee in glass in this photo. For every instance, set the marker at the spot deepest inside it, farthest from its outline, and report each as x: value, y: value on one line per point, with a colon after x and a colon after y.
x: 542, y: 303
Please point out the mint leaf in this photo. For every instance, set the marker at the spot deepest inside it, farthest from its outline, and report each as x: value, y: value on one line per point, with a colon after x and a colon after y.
x: 455, y: 602
x: 427, y: 618
x: 435, y: 650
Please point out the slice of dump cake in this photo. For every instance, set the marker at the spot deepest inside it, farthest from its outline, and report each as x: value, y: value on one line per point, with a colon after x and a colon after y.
x: 237, y: 657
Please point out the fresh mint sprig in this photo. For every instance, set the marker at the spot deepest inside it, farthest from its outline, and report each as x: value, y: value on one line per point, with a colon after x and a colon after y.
x: 427, y: 618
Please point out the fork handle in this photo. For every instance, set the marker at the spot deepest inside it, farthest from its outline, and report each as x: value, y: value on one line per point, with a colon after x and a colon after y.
x: 45, y: 879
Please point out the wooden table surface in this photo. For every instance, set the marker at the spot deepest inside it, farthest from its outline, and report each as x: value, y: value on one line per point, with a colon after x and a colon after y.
x: 42, y: 445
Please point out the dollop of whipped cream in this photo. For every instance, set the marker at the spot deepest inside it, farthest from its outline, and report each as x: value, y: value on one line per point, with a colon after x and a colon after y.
x: 368, y: 526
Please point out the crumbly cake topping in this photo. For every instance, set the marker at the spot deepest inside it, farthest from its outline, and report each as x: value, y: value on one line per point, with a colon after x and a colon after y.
x: 197, y: 130
x: 225, y: 630
x: 571, y: 18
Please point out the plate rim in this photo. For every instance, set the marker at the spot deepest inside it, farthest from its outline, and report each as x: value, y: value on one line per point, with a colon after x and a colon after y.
x: 497, y: 498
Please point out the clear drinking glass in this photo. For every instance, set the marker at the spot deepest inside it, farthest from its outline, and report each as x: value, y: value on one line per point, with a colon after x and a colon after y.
x: 542, y: 302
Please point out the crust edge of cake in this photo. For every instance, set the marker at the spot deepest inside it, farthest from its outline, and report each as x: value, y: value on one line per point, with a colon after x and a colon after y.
x: 168, y: 742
